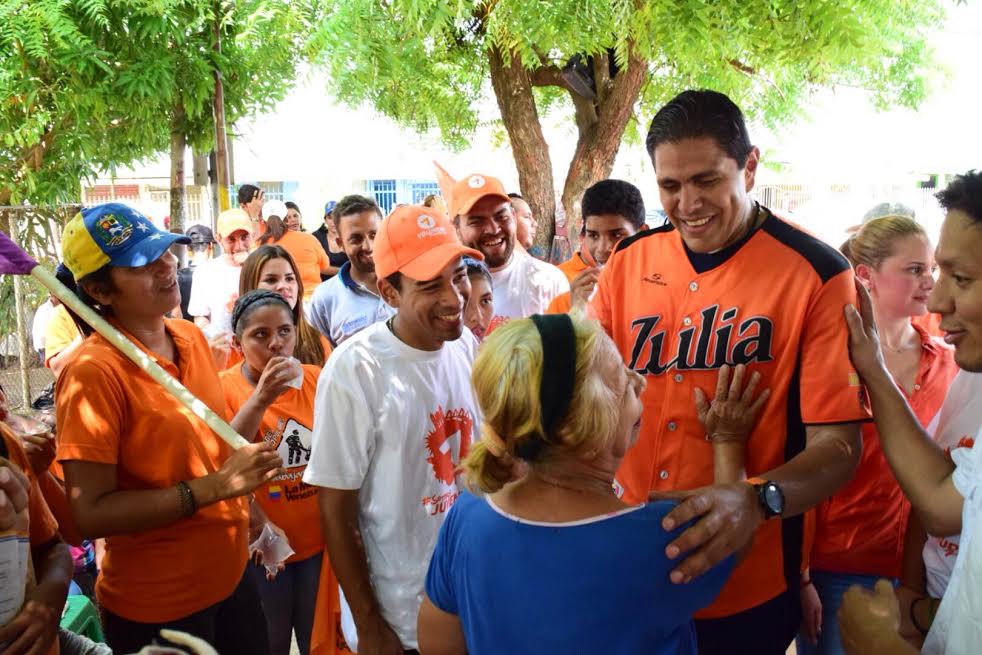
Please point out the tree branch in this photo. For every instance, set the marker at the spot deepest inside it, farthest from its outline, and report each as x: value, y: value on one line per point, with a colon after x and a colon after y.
x: 742, y: 67
x: 548, y: 75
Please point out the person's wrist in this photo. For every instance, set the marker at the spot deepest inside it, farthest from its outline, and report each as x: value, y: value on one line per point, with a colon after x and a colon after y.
x: 754, y: 499
x: 208, y: 489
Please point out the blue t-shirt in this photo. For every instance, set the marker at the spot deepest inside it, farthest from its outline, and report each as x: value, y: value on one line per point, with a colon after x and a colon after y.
x: 594, y: 586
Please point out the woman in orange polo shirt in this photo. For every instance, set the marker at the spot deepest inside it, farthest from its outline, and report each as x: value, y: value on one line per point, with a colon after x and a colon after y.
x: 306, y: 250
x: 272, y: 268
x: 860, y: 531
x: 270, y: 407
x: 142, y: 470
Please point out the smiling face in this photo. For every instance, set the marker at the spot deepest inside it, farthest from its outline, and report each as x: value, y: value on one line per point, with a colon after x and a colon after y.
x: 627, y: 386
x: 602, y: 233
x: 704, y: 191
x: 480, y: 307
x: 236, y: 247
x: 269, y: 332
x: 900, y: 286
x: 430, y: 312
x: 356, y: 235
x: 489, y: 227
x: 277, y: 275
x: 957, y: 295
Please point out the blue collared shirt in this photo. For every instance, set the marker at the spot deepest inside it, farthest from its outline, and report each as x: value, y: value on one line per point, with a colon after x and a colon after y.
x: 340, y: 307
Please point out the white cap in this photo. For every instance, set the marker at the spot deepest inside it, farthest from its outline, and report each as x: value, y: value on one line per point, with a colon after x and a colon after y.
x: 274, y: 208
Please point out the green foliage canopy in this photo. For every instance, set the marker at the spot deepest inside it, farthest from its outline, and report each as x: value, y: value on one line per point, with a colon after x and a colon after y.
x: 88, y: 85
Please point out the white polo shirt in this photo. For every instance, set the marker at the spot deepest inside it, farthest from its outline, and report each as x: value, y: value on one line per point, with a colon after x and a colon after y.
x: 340, y: 307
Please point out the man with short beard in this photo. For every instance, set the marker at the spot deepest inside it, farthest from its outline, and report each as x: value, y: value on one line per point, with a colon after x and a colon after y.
x: 349, y: 302
x: 485, y: 221
x: 215, y: 283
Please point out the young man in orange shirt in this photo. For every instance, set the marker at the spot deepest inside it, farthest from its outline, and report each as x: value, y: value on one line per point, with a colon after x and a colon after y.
x: 612, y: 210
x: 727, y: 282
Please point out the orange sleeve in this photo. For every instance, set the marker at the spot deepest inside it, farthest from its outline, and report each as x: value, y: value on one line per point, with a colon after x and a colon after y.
x: 599, y: 307
x: 59, y: 334
x: 90, y: 409
x: 43, y: 526
x: 561, y: 304
x: 830, y: 388
x: 322, y: 260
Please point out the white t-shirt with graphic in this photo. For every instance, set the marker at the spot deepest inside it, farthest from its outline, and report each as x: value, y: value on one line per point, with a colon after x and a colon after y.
x: 394, y: 422
x: 214, y: 290
x: 953, y: 428
x: 524, y: 287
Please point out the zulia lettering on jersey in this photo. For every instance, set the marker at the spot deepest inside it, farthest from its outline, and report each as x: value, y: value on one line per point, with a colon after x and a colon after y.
x: 707, y: 344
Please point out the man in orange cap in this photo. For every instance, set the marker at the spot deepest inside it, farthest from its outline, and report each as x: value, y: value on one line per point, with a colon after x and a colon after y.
x: 485, y: 220
x: 394, y: 417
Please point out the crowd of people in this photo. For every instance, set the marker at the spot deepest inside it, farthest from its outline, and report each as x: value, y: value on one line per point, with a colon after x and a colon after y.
x: 718, y: 435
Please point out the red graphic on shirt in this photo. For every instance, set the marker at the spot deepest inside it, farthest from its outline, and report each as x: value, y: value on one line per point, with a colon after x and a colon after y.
x: 445, y: 426
x: 964, y: 442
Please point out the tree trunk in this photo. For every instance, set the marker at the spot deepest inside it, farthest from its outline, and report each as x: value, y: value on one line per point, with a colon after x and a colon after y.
x: 513, y: 90
x: 601, y: 127
x: 178, y: 195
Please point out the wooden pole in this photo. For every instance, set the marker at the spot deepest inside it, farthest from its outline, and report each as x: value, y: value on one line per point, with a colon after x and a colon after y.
x: 221, y: 139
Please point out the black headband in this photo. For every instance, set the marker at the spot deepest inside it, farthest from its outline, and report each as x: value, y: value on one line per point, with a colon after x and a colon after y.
x: 558, y: 376
x: 251, y: 298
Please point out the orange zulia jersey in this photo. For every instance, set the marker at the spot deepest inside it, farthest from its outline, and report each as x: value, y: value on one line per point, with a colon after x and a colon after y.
x: 773, y: 301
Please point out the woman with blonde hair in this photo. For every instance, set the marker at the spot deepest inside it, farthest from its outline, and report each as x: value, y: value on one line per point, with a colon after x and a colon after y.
x: 862, y: 532
x: 555, y: 562
x: 271, y: 267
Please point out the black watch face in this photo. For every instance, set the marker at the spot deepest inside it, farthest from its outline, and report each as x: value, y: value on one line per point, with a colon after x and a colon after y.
x: 774, y: 498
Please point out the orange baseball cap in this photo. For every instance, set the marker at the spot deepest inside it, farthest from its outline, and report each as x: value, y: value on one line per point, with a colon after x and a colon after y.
x: 418, y: 242
x: 467, y: 191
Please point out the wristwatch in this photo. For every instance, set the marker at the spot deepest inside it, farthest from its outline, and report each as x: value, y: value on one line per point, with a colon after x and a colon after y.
x: 769, y: 495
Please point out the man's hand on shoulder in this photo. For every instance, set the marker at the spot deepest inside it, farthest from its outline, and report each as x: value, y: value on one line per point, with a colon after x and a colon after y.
x: 726, y: 517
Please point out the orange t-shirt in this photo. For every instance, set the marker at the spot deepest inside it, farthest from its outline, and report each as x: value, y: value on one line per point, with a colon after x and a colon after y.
x: 60, y: 332
x: 309, y: 256
x: 287, y: 500
x: 43, y: 527
x: 561, y: 304
x: 112, y: 412
x: 578, y: 262
x: 861, y: 528
x: 773, y: 301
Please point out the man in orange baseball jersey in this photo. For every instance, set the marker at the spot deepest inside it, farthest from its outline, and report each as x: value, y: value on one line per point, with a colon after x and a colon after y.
x: 727, y: 282
x: 612, y: 210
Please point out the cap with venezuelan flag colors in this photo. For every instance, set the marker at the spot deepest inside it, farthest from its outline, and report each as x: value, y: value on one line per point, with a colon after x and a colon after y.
x: 114, y: 234
x: 418, y: 242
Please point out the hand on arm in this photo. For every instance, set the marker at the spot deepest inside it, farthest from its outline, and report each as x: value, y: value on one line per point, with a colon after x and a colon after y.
x: 920, y: 466
x: 101, y: 509
x: 729, y: 514
x: 342, y: 534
